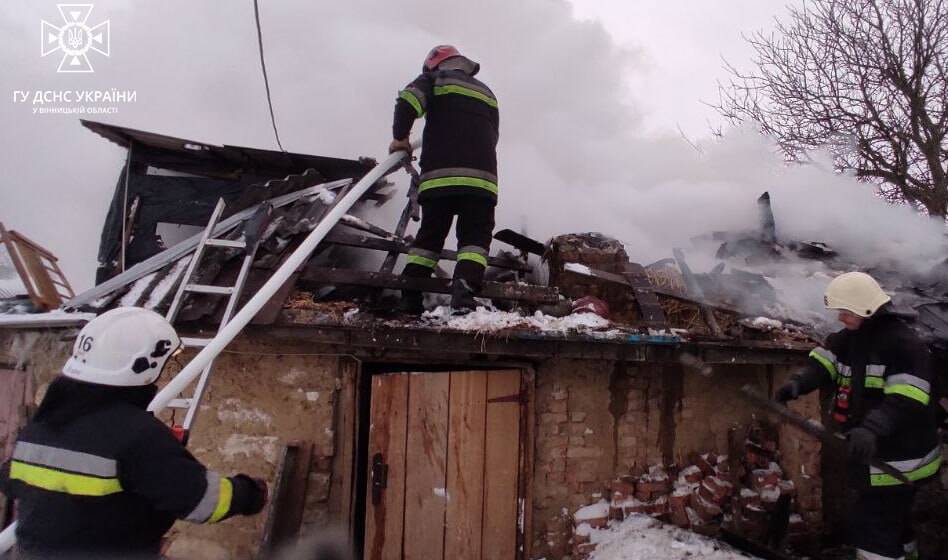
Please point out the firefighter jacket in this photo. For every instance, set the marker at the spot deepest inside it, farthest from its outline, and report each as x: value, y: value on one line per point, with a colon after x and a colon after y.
x: 110, y: 483
x: 881, y: 376
x: 459, y: 145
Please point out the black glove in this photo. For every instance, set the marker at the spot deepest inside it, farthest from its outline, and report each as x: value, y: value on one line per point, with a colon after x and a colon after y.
x: 862, y: 444
x: 250, y: 495
x: 789, y: 391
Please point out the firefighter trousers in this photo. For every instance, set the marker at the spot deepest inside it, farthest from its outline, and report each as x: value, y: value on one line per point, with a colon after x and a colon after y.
x: 474, y: 230
x: 881, y: 524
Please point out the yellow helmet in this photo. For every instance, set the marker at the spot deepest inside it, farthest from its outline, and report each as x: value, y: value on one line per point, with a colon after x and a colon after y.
x: 856, y: 292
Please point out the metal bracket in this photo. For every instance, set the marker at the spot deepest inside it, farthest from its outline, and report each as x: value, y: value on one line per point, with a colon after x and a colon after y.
x: 379, y: 478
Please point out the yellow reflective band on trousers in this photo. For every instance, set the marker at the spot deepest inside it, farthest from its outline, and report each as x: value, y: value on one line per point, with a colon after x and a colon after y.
x: 65, y: 482
x: 412, y: 100
x: 925, y: 471
x: 224, y: 501
x: 461, y: 90
x: 423, y: 261
x: 476, y: 257
x: 457, y: 182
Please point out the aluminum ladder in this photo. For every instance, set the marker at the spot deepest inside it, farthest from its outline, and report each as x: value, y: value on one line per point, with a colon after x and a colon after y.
x: 253, y: 230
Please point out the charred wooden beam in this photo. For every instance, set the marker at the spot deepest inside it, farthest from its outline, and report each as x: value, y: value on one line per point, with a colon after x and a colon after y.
x: 649, y: 306
x: 620, y: 279
x: 394, y: 245
x: 768, y: 227
x: 692, y: 284
x: 427, y: 345
x: 494, y: 290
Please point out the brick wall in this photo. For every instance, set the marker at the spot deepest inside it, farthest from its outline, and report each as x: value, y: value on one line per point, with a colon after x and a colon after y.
x: 597, y: 421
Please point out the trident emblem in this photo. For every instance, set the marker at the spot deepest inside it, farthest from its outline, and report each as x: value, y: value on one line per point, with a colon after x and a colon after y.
x: 75, y: 38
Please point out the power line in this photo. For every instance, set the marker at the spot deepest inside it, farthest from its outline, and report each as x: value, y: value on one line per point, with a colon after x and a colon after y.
x: 263, y: 66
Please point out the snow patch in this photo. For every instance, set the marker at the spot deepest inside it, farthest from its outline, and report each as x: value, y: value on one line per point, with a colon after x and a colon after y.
x: 312, y: 396
x: 641, y: 536
x: 596, y: 511
x: 578, y: 268
x: 486, y: 320
x: 136, y: 290
x: 165, y: 284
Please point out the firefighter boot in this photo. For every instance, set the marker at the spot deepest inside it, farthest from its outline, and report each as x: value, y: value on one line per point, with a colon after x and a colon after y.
x: 462, y: 297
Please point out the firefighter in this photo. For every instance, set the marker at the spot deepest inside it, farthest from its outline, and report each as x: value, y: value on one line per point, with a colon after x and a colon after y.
x: 458, y: 170
x: 97, y: 476
x: 880, y: 373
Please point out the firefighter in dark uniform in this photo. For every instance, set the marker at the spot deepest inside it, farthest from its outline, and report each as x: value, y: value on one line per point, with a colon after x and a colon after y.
x: 458, y: 170
x: 880, y: 372
x: 94, y: 474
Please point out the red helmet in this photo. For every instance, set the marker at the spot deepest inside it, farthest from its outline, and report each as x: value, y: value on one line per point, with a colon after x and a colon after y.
x: 438, y: 55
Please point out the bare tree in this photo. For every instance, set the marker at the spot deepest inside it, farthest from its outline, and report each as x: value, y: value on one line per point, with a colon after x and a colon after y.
x: 866, y: 77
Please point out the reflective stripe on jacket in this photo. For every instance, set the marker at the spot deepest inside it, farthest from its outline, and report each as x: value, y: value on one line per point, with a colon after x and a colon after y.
x: 886, y: 372
x: 458, y: 155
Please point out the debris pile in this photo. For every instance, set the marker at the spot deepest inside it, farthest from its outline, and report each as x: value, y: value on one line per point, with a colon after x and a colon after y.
x: 745, y: 496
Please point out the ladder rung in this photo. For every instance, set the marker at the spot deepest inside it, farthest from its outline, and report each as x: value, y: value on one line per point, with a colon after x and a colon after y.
x: 208, y: 289
x: 179, y: 403
x: 232, y: 243
x: 195, y: 342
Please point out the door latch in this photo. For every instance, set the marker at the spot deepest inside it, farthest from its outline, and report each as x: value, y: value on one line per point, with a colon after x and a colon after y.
x: 379, y: 478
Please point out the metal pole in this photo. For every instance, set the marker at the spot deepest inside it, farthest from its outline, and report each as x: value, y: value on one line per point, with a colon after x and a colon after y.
x: 128, y: 168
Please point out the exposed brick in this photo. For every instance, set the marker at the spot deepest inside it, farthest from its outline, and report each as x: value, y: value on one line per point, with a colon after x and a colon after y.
x: 706, y: 509
x: 577, y: 416
x: 556, y: 406
x: 584, y: 452
x: 577, y: 441
x: 553, y: 417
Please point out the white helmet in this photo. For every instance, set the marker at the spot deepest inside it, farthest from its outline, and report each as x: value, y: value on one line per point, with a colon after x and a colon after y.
x: 856, y: 292
x: 124, y: 347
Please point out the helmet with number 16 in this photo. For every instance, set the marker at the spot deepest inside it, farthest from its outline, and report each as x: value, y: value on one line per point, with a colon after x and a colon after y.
x: 124, y: 347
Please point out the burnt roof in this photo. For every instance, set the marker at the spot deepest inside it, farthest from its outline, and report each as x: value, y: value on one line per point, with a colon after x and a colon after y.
x: 215, y: 160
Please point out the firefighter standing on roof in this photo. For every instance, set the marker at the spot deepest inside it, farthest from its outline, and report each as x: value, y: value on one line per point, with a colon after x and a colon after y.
x: 93, y: 473
x: 458, y: 169
x: 881, y: 375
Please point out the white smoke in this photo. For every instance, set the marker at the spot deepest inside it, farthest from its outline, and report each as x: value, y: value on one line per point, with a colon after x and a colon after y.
x: 572, y: 153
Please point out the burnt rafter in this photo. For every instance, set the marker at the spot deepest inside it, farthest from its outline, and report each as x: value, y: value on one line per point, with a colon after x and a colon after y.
x: 316, y: 277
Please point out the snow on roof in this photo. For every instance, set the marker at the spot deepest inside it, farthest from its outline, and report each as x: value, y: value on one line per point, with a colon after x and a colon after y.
x: 486, y: 320
x: 641, y: 536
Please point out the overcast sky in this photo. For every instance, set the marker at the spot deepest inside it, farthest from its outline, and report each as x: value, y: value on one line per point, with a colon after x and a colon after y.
x: 592, y: 95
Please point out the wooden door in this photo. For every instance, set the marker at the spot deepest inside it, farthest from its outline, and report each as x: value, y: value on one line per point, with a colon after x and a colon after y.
x: 444, y: 456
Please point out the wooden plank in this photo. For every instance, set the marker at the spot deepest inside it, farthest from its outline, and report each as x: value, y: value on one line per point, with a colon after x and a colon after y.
x: 528, y: 427
x: 426, y: 451
x: 387, y: 433
x: 341, y: 494
x: 649, y: 306
x: 318, y: 276
x: 501, y: 464
x: 285, y: 512
x: 463, y: 521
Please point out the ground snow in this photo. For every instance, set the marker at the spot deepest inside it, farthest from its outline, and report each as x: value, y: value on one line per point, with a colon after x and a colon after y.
x: 641, y: 537
x: 596, y: 511
x: 483, y: 319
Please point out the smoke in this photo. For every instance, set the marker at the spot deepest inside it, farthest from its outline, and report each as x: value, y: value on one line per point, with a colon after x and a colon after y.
x: 572, y: 154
